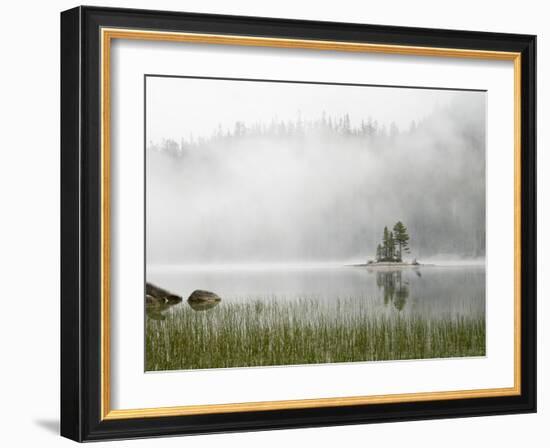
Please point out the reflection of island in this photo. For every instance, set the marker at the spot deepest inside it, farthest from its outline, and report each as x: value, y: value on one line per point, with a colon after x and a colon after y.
x: 395, y: 290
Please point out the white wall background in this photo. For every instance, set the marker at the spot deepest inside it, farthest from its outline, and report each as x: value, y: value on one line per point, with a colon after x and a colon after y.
x: 29, y: 224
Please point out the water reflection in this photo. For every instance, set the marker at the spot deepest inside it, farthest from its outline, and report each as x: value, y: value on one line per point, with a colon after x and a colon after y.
x: 202, y: 306
x: 432, y: 291
x: 158, y: 311
x: 394, y: 289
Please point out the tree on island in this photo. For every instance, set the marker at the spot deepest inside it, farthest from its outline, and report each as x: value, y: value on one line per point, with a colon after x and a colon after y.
x: 386, y: 244
x: 394, y: 244
x: 401, y: 238
x: 391, y: 247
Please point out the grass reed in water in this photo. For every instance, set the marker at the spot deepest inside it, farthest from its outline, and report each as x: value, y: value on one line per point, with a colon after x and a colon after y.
x: 268, y: 333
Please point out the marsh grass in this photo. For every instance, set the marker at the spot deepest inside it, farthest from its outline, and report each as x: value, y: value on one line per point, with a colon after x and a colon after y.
x: 267, y: 333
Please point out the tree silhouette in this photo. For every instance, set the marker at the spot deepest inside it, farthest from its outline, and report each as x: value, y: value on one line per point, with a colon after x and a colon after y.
x: 394, y: 243
x: 386, y: 244
x: 401, y: 238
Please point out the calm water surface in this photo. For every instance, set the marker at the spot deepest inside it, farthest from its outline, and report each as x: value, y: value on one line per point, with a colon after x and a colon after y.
x: 431, y: 291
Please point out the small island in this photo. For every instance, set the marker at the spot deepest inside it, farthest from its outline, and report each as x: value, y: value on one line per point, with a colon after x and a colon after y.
x: 389, y: 252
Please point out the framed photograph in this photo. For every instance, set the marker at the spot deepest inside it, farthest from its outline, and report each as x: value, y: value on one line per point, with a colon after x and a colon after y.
x: 273, y: 223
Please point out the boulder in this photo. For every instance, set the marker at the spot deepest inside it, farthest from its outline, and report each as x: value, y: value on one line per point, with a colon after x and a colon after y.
x: 158, y: 296
x: 201, y: 296
x: 152, y: 300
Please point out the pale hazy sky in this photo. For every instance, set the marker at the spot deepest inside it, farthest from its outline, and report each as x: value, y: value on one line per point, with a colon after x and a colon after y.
x: 179, y: 107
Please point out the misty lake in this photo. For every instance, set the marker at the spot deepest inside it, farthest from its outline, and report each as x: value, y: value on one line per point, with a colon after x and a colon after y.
x: 316, y: 172
x: 324, y: 313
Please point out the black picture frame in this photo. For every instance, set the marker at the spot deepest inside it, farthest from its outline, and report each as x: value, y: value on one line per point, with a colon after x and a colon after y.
x: 81, y: 224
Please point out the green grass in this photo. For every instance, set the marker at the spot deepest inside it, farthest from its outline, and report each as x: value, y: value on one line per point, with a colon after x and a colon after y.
x: 266, y: 333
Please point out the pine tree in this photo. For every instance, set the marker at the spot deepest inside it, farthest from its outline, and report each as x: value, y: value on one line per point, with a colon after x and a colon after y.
x: 378, y: 252
x: 346, y: 125
x: 391, y: 247
x: 385, y: 244
x: 401, y: 238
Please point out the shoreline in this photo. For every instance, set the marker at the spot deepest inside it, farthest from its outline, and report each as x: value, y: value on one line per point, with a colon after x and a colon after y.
x: 388, y: 264
x: 297, y: 266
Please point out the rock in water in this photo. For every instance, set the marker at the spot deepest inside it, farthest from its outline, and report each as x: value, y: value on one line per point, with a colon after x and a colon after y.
x: 201, y: 296
x: 158, y: 296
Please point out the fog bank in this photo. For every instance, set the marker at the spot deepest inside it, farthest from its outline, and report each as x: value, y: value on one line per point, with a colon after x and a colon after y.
x: 319, y: 190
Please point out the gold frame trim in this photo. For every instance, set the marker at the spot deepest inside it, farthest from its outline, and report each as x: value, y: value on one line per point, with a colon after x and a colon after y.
x: 107, y: 35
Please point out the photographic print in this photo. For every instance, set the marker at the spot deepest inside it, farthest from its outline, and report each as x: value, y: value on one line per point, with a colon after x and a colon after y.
x: 292, y: 223
x: 251, y: 201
